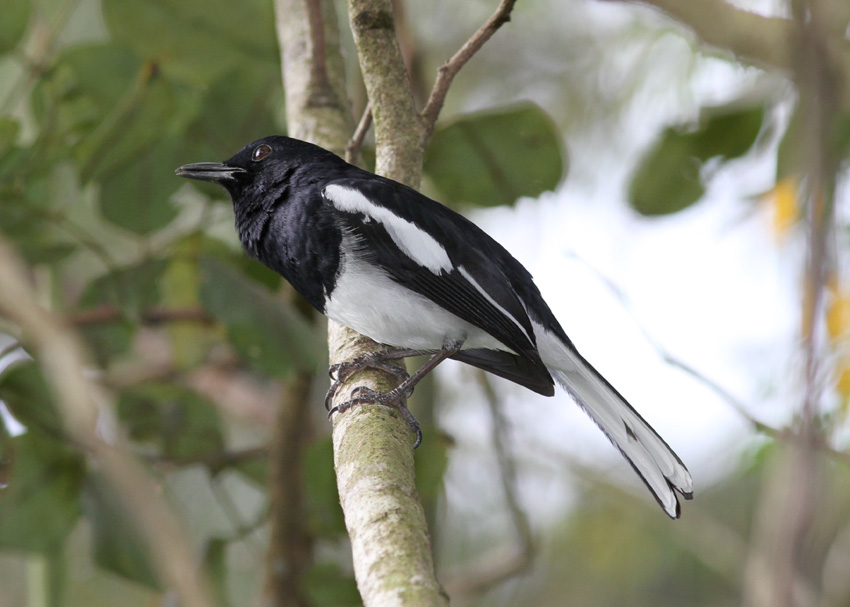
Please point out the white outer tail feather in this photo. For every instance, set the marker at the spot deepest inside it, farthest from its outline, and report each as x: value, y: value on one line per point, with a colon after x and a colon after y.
x: 655, y: 462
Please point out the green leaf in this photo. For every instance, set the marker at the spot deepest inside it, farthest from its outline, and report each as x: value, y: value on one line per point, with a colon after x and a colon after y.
x: 432, y: 461
x: 131, y: 290
x: 494, y: 158
x: 237, y: 108
x: 266, y: 332
x: 195, y: 40
x: 667, y: 179
x: 40, y: 505
x: 82, y: 89
x: 215, y: 565
x: 123, y: 123
x: 9, y: 130
x: 181, y: 285
x: 181, y: 423
x: 27, y: 395
x: 16, y: 15
x: 789, y: 155
x: 119, y: 545
x: 255, y: 469
x: 728, y: 132
x: 137, y: 196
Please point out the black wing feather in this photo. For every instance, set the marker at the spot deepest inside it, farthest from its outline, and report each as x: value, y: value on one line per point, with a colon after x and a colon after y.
x: 450, y: 289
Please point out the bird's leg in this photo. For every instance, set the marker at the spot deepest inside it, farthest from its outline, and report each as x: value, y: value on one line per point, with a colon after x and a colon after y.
x: 398, y: 396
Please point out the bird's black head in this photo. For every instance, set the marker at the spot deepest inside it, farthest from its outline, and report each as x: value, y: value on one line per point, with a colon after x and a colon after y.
x: 260, y: 165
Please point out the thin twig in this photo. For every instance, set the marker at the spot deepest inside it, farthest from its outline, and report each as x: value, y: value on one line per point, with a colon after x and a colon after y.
x: 152, y: 316
x: 215, y: 462
x: 447, y: 71
x: 352, y: 149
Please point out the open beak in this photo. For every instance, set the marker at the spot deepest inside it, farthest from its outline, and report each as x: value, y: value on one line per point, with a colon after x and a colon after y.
x: 215, y: 172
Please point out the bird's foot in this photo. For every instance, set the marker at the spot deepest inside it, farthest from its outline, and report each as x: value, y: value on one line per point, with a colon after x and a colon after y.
x: 398, y: 397
x: 340, y: 372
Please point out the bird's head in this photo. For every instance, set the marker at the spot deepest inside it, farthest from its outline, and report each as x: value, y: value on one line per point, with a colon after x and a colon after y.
x: 259, y: 166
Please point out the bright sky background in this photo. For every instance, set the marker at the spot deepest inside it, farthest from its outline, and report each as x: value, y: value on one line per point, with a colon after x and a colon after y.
x: 711, y: 286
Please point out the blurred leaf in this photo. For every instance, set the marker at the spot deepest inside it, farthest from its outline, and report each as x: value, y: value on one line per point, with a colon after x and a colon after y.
x: 100, y: 102
x: 195, y: 40
x: 432, y: 461
x: 255, y: 469
x: 236, y: 107
x: 326, y: 519
x: 728, y: 131
x: 137, y: 196
x: 9, y: 130
x: 236, y: 258
x: 181, y: 285
x: 16, y: 15
x: 494, y: 158
x: 33, y: 195
x: 215, y: 566
x: 40, y: 505
x: 180, y: 422
x: 28, y: 398
x: 119, y: 546
x: 45, y: 251
x: 82, y: 88
x: 789, y: 156
x: 266, y: 332
x: 667, y: 179
x: 131, y: 290
x: 839, y: 135
x: 327, y: 586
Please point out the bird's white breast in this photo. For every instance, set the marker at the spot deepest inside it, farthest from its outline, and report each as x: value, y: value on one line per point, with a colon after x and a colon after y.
x: 370, y: 302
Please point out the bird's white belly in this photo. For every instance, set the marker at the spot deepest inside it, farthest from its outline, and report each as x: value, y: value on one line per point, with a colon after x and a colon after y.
x: 368, y: 301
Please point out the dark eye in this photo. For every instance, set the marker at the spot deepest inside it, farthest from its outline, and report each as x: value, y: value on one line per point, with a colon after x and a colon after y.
x: 260, y: 152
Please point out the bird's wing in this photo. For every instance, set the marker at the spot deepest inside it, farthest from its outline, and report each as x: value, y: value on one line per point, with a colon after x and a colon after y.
x: 435, y: 252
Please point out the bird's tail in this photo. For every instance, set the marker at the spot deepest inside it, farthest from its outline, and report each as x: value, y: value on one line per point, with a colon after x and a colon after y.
x: 654, y: 461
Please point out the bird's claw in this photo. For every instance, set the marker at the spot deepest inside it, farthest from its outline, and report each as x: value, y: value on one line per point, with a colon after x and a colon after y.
x: 361, y: 395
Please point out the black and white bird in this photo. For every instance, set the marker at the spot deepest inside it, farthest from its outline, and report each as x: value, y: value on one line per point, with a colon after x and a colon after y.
x: 408, y: 272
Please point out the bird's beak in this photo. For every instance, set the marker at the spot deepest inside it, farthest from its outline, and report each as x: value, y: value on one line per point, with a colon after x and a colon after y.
x: 216, y: 172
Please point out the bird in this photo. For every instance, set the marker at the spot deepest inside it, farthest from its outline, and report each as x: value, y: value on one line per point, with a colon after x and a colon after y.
x: 406, y: 271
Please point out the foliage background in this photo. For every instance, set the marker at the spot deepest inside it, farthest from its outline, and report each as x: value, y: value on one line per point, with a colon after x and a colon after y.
x: 194, y: 346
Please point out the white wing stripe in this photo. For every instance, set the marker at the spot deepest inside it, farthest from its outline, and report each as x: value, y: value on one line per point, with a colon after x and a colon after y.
x: 417, y: 244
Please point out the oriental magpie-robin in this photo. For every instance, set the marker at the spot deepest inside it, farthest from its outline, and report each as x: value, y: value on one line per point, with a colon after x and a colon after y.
x: 406, y: 271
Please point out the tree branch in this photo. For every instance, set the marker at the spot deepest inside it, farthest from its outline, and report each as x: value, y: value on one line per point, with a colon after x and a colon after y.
x: 316, y: 111
x: 448, y: 71
x: 151, y: 316
x: 291, y: 544
x: 352, y: 149
x: 764, y: 42
x: 399, y: 136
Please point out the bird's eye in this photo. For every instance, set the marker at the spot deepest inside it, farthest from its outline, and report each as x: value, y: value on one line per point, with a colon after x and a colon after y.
x: 260, y: 152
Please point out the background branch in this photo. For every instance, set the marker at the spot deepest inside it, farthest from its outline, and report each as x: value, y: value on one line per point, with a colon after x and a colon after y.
x: 316, y: 111
x: 756, y: 39
x: 448, y: 71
